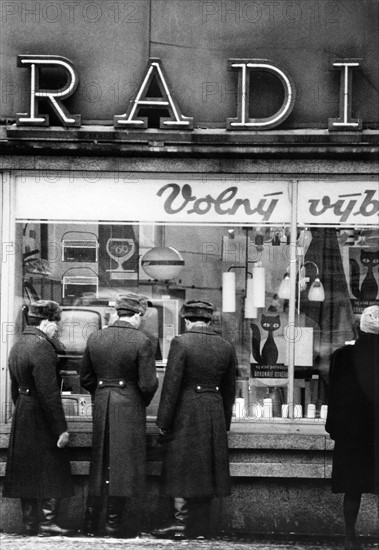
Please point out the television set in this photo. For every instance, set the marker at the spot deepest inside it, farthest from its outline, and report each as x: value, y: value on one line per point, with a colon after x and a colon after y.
x: 161, y: 322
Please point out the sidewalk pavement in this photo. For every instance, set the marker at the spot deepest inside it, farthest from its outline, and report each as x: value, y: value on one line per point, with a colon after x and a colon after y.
x: 18, y: 542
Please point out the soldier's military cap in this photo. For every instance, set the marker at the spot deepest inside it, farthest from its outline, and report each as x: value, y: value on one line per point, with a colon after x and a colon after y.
x: 45, y: 309
x: 197, y: 309
x: 135, y: 303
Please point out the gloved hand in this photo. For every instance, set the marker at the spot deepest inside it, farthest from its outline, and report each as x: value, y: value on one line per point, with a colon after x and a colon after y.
x: 165, y: 436
x: 63, y: 440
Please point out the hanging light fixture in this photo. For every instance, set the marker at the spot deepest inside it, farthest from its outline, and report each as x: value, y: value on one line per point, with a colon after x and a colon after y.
x: 275, y: 241
x: 255, y: 287
x: 285, y: 287
x: 162, y: 263
x: 251, y: 311
x: 316, y: 291
x: 304, y: 239
x: 229, y: 292
x: 255, y: 290
x: 259, y: 240
x: 258, y: 285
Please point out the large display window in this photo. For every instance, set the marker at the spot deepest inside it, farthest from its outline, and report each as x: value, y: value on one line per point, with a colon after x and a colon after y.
x: 285, y: 266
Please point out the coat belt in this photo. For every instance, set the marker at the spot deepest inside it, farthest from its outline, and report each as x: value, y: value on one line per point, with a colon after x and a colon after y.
x: 24, y: 390
x: 114, y: 383
x: 202, y: 388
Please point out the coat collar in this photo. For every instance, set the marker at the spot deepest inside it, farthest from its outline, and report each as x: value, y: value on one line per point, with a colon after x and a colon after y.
x: 36, y: 331
x: 55, y: 342
x: 122, y: 324
x: 203, y: 330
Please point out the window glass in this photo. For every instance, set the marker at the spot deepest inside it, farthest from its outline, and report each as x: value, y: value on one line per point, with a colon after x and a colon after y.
x: 85, y: 267
x: 283, y: 338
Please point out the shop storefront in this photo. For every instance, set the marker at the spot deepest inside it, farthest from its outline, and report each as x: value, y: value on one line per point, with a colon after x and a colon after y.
x: 274, y: 219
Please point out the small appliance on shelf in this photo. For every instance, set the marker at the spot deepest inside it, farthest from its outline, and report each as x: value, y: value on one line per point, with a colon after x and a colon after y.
x: 83, y: 249
x: 74, y: 286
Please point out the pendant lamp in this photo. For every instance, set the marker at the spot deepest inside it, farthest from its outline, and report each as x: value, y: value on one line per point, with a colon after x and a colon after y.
x: 229, y: 292
x: 162, y: 263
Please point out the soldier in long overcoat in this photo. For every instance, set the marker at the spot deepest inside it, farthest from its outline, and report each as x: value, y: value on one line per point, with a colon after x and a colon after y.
x: 37, y: 466
x: 118, y: 369
x: 194, y: 416
x: 353, y: 419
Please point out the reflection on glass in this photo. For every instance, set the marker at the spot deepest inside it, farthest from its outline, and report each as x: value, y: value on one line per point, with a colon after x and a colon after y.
x: 209, y: 252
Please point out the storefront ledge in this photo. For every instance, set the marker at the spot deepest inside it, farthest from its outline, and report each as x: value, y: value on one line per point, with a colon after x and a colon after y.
x: 237, y: 469
x: 117, y: 163
x: 277, y: 469
x: 277, y: 441
x: 105, y: 140
x: 236, y: 441
x: 277, y: 151
x: 314, y: 426
x: 243, y: 435
x: 101, y: 132
x: 301, y: 426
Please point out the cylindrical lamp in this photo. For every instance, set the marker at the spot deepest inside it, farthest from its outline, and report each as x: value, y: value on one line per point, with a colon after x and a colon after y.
x: 229, y: 292
x: 251, y: 311
x: 258, y: 290
x: 162, y: 263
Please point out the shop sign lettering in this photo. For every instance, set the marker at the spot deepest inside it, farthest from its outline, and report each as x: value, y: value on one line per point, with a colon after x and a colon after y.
x: 176, y: 119
x: 346, y: 207
x: 225, y: 203
x: 185, y: 199
x: 357, y: 205
x: 355, y: 208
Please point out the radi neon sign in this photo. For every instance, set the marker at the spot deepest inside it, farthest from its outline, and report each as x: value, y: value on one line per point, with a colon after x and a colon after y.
x: 176, y: 120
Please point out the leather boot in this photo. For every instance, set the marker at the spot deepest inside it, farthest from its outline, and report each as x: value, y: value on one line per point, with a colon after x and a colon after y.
x: 50, y: 510
x: 29, y: 507
x: 178, y: 530
x: 91, y: 516
x: 199, y: 510
x: 115, y: 507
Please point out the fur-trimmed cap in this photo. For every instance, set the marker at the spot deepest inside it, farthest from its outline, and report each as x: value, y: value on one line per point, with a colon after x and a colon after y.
x: 135, y: 303
x: 370, y: 320
x: 197, y: 309
x: 45, y: 309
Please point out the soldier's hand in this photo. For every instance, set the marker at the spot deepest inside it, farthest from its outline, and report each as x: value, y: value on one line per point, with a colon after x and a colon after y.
x: 63, y: 440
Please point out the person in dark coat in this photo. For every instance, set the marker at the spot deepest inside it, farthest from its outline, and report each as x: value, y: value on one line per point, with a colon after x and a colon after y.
x: 119, y: 371
x: 353, y: 419
x: 194, y: 415
x: 38, y: 468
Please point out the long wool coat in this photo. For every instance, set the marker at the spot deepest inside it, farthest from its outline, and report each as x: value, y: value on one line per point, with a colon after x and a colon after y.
x: 196, y: 459
x: 353, y: 416
x: 119, y: 352
x: 36, y: 468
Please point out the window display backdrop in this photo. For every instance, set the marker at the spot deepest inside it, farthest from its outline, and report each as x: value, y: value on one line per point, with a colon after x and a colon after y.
x: 81, y: 240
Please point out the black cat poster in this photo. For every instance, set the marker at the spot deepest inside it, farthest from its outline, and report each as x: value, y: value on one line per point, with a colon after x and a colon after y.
x: 269, y: 358
x: 363, y: 277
